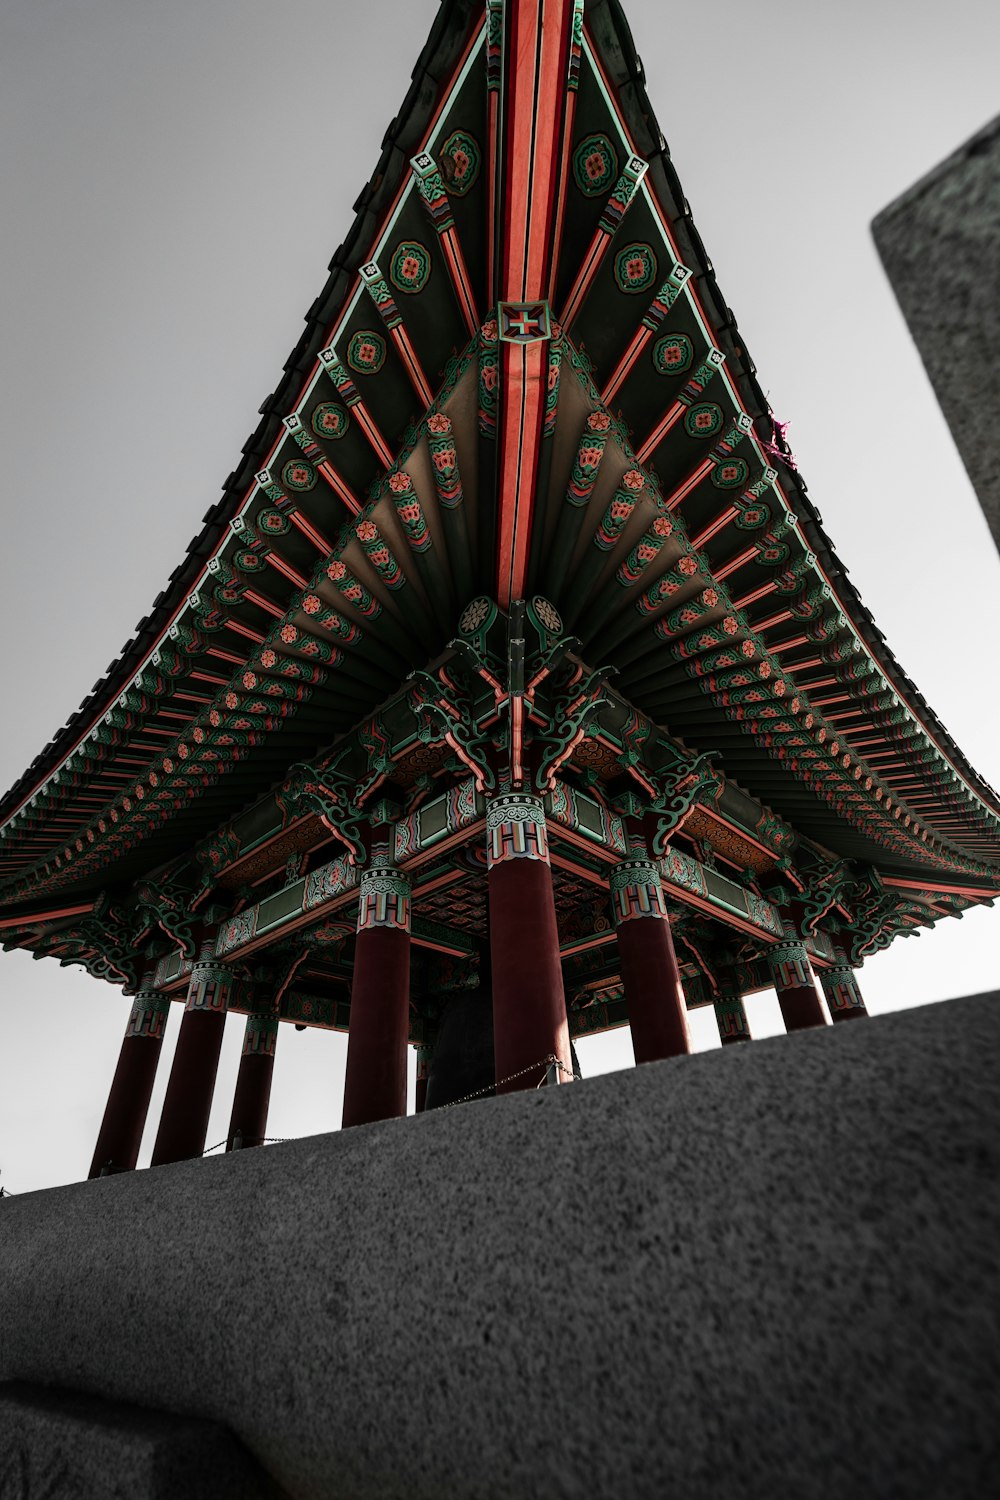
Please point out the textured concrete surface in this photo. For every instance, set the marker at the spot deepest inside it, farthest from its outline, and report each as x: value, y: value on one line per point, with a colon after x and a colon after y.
x: 940, y: 245
x: 769, y: 1271
x: 55, y: 1446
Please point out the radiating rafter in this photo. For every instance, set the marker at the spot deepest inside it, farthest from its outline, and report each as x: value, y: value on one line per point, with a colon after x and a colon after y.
x: 430, y: 185
x: 351, y: 396
x: 622, y: 196
x: 377, y: 288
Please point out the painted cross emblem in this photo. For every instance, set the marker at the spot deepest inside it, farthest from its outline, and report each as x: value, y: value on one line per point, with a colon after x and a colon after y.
x: 524, y: 322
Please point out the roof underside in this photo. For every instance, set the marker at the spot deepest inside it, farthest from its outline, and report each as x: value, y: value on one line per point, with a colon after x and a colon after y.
x: 603, y: 442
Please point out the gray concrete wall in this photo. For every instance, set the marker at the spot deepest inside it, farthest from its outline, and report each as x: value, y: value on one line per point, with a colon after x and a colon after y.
x: 769, y: 1271
x: 55, y: 1446
x: 940, y: 245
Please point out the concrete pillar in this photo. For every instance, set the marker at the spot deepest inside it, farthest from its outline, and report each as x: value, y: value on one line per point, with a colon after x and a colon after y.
x: 375, y: 1085
x: 248, y: 1122
x: 799, y: 996
x: 654, y: 995
x: 529, y: 1004
x: 840, y: 986
x: 128, y: 1102
x: 188, y: 1101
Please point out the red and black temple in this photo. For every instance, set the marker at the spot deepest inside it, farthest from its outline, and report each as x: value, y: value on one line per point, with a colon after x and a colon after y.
x: 513, y: 691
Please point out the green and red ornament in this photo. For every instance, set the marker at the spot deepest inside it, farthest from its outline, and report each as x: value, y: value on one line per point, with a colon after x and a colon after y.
x: 330, y: 421
x: 410, y: 267
x: 299, y: 475
x: 383, y: 899
x: 672, y: 355
x: 515, y: 829
x: 595, y: 166
x: 635, y: 267
x: 636, y: 891
x: 366, y: 352
x: 464, y: 159
x: 148, y: 1016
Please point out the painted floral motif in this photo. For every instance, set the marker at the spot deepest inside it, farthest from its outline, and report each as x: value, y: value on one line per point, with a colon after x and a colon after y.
x: 298, y: 475
x: 552, y: 388
x: 595, y: 165
x: 673, y: 355
x: 409, y: 511
x: 379, y: 555
x: 547, y: 614
x: 238, y: 931
x: 678, y: 869
x: 461, y: 159
x: 275, y: 522
x: 410, y: 268
x: 731, y: 474
x: 614, y: 520
x: 703, y: 420
x: 474, y: 615
x: 330, y: 421
x: 444, y: 458
x: 752, y: 517
x: 635, y: 268
x: 489, y: 379
x: 366, y: 352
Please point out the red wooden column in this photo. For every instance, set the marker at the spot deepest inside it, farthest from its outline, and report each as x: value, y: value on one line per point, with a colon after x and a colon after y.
x: 248, y: 1122
x: 730, y: 1012
x: 375, y: 1085
x: 128, y: 1102
x: 654, y: 995
x: 840, y: 986
x: 798, y: 993
x: 188, y: 1101
x: 529, y: 1003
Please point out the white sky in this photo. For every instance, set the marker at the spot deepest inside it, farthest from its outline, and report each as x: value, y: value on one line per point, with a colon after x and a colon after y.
x: 174, y: 179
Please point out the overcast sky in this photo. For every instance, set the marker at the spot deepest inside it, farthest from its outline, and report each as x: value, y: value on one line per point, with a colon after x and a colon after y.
x: 174, y: 178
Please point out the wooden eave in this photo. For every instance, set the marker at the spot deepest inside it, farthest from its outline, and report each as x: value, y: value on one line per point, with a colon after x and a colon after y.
x: 895, y: 790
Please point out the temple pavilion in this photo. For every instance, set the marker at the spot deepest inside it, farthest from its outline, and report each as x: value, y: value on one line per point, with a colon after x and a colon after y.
x: 513, y: 691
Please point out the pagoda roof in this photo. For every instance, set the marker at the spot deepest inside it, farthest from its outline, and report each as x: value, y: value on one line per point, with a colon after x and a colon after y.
x: 308, y: 597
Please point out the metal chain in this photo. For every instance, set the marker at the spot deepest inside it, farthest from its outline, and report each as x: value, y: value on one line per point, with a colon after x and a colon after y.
x: 281, y: 1140
x: 546, y: 1062
x: 264, y: 1140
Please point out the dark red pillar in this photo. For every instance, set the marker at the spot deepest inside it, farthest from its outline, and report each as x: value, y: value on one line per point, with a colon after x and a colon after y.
x: 840, y: 986
x: 654, y: 995
x: 798, y: 993
x: 248, y: 1122
x: 375, y: 1085
x: 730, y: 1013
x: 188, y: 1101
x: 121, y: 1129
x: 529, y: 1004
